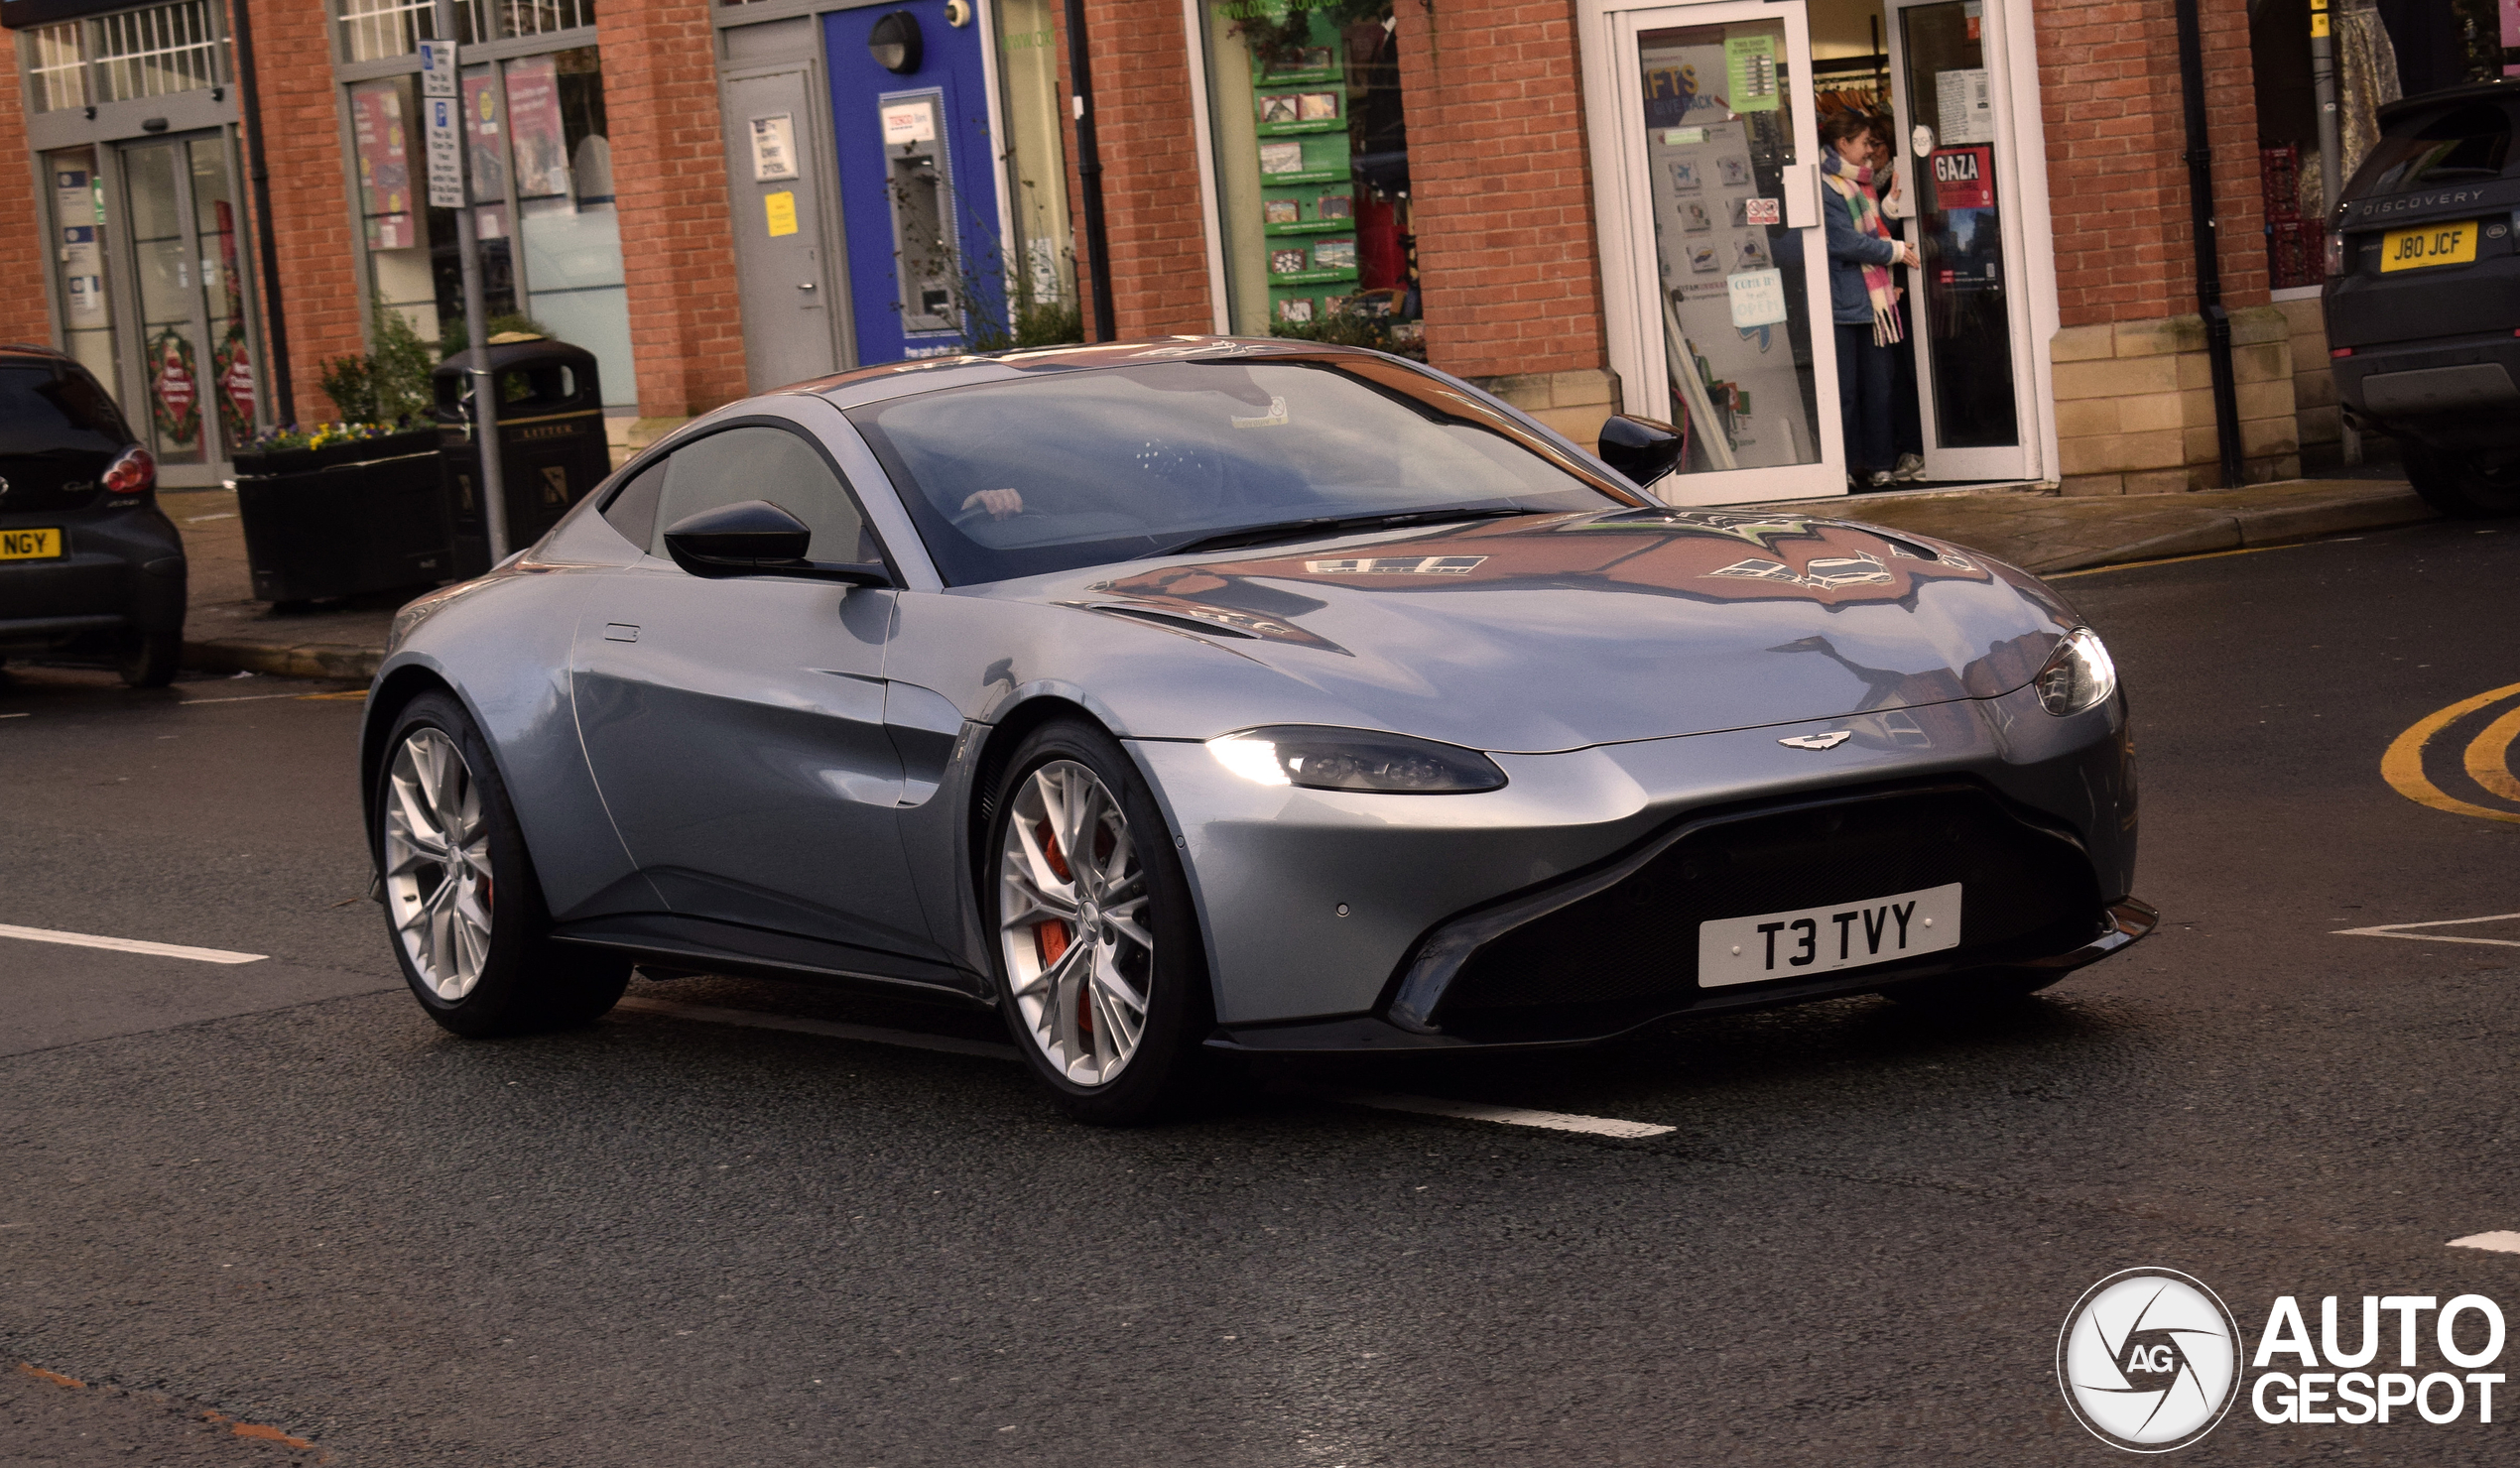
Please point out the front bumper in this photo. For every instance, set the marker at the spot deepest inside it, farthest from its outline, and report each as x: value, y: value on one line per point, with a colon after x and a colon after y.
x: 1318, y: 906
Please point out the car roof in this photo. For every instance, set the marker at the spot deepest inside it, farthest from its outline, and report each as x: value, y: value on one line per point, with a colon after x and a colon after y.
x: 865, y: 385
x: 2475, y: 91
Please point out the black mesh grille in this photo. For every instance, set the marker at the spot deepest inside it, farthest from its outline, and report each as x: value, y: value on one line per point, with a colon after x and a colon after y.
x: 2025, y: 893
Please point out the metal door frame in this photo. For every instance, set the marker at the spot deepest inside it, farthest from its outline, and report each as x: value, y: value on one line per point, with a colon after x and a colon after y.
x: 827, y: 218
x: 123, y: 286
x: 2022, y: 459
x: 1623, y: 213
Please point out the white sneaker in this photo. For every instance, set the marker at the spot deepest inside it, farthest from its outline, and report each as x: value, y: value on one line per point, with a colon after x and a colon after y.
x: 1910, y: 468
x: 1877, y: 479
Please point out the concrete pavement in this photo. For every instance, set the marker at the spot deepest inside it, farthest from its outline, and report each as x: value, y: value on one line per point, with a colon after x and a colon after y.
x: 228, y: 631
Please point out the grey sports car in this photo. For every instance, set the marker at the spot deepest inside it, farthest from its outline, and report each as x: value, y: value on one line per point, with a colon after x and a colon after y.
x: 1198, y: 696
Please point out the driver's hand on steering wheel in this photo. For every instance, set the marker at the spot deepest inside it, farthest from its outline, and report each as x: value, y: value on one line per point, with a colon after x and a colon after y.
x: 1002, y: 503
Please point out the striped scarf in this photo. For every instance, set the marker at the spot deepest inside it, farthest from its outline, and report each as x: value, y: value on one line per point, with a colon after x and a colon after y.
x: 1856, y: 192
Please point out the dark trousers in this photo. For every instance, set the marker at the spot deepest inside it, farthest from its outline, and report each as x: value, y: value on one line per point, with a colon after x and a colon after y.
x: 1864, y: 374
x: 1907, y: 420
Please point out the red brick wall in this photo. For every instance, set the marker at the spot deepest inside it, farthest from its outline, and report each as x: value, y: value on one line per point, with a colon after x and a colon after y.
x: 23, y: 314
x: 322, y: 278
x: 669, y: 163
x: 1152, y: 210
x: 2108, y: 79
x: 1501, y: 186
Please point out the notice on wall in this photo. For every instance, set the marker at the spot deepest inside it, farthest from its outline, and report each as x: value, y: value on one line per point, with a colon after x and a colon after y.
x: 436, y: 69
x: 774, y: 147
x: 1968, y: 114
x: 913, y: 121
x: 82, y: 262
x: 780, y: 209
x: 442, y: 142
x: 1749, y: 71
x: 536, y: 134
x: 1758, y: 298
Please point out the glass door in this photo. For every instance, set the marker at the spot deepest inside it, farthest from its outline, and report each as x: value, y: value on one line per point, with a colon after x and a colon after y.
x: 1972, y: 338
x: 184, y: 231
x: 1719, y: 144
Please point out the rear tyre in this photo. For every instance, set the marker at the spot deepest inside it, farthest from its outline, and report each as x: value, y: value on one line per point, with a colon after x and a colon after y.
x: 1962, y: 994
x: 1100, y: 970
x: 148, y: 660
x: 461, y: 904
x: 2456, y: 485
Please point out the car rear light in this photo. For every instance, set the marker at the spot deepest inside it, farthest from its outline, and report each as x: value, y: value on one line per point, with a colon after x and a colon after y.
x: 133, y: 473
x: 2336, y: 253
x: 2340, y: 351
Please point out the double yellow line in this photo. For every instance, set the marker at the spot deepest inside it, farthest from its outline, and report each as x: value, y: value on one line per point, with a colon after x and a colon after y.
x: 2486, y: 758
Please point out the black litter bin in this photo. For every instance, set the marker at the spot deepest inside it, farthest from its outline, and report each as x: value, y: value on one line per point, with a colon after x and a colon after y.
x: 551, y: 443
x: 344, y: 520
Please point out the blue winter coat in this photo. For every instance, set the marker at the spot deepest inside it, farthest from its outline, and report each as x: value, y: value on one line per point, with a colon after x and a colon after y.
x: 1849, y: 304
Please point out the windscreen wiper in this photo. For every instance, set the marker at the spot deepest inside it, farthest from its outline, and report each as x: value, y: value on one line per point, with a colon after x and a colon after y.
x: 1319, y: 526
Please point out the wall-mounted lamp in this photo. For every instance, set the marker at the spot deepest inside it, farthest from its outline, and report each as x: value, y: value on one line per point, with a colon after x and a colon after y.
x: 894, y: 43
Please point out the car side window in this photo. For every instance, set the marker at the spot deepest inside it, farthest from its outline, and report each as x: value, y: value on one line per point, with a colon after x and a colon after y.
x: 752, y: 462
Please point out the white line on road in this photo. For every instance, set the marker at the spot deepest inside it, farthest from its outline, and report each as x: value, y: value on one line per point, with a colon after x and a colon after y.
x: 1511, y: 1116
x: 2398, y: 930
x: 754, y: 1019
x: 128, y: 946
x: 2500, y: 1241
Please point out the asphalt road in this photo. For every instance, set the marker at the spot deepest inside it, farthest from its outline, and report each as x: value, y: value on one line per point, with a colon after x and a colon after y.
x: 274, y: 1190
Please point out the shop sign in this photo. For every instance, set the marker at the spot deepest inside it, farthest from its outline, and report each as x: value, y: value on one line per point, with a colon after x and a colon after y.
x: 1749, y: 67
x: 1758, y: 298
x: 908, y: 122
x: 1964, y: 179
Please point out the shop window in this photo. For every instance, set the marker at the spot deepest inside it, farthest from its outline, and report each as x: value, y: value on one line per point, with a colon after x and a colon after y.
x: 1313, y: 171
x: 378, y: 30
x: 1041, y: 287
x: 157, y: 51
x: 56, y: 68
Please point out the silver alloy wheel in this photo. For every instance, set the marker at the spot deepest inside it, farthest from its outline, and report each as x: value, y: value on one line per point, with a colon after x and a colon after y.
x: 438, y: 863
x: 1073, y: 923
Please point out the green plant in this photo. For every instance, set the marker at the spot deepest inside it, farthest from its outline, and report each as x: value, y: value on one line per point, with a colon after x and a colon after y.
x: 997, y: 309
x: 1352, y: 328
x: 388, y: 383
x: 452, y: 337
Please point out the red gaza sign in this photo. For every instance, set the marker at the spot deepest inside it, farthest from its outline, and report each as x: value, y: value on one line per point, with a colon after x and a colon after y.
x: 1964, y: 179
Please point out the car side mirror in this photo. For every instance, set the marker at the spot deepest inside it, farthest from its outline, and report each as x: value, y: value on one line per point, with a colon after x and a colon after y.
x: 1640, y: 447
x: 756, y: 537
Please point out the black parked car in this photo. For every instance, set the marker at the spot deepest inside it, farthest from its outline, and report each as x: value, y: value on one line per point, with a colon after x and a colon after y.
x: 88, y: 562
x: 2423, y: 295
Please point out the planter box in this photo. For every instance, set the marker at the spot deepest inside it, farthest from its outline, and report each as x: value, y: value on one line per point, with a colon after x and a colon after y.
x: 372, y: 520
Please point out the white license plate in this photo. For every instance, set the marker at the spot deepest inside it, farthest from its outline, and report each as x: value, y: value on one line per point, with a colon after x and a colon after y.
x: 1816, y: 940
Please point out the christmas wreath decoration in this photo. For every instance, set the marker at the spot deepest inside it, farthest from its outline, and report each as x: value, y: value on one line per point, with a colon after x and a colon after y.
x: 175, y: 388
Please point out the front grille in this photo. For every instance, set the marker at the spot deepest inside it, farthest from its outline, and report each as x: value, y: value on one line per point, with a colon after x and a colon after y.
x: 1634, y: 945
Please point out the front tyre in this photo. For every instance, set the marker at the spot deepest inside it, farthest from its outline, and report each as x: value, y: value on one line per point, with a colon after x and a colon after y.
x: 461, y: 901
x: 1101, y: 972
x: 148, y: 660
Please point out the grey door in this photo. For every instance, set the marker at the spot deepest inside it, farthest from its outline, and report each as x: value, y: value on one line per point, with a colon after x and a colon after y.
x: 778, y: 182
x: 736, y: 727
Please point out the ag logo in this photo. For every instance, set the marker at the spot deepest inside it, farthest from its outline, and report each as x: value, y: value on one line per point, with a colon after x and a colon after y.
x: 2149, y: 1360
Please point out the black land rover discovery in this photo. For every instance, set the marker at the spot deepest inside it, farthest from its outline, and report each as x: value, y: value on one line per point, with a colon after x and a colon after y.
x: 88, y: 562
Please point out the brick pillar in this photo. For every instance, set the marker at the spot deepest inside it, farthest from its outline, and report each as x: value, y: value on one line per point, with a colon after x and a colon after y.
x: 23, y: 317
x: 1501, y: 193
x: 669, y: 166
x: 2134, y: 410
x: 1151, y: 201
x: 321, y: 281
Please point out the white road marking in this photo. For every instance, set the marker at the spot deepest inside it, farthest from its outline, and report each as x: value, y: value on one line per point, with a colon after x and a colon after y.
x: 754, y: 1019
x: 128, y: 946
x: 2500, y: 1241
x: 14, y: 715
x: 1511, y: 1116
x: 2398, y: 930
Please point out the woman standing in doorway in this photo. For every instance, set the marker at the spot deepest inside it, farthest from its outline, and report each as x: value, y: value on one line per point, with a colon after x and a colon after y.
x: 1860, y: 254
x: 1906, y: 422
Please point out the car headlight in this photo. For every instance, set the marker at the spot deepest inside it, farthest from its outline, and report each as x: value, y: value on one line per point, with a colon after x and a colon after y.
x: 2079, y: 674
x: 1325, y: 758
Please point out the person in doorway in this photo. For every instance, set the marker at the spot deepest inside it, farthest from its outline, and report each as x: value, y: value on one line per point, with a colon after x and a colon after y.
x: 1860, y: 254
x: 1906, y: 417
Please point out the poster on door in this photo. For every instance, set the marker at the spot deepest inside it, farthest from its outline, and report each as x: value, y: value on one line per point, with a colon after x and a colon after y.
x: 486, y: 139
x: 534, y: 129
x: 1964, y: 179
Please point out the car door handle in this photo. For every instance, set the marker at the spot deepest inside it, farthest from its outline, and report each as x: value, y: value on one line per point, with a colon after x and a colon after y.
x: 620, y: 632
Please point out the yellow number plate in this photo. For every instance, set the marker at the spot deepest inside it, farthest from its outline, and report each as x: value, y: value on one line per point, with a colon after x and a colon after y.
x: 2434, y: 244
x: 29, y: 544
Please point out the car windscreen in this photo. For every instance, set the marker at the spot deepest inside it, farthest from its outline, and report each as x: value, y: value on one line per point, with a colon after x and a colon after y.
x: 2464, y: 144
x: 1056, y: 472
x: 44, y: 410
